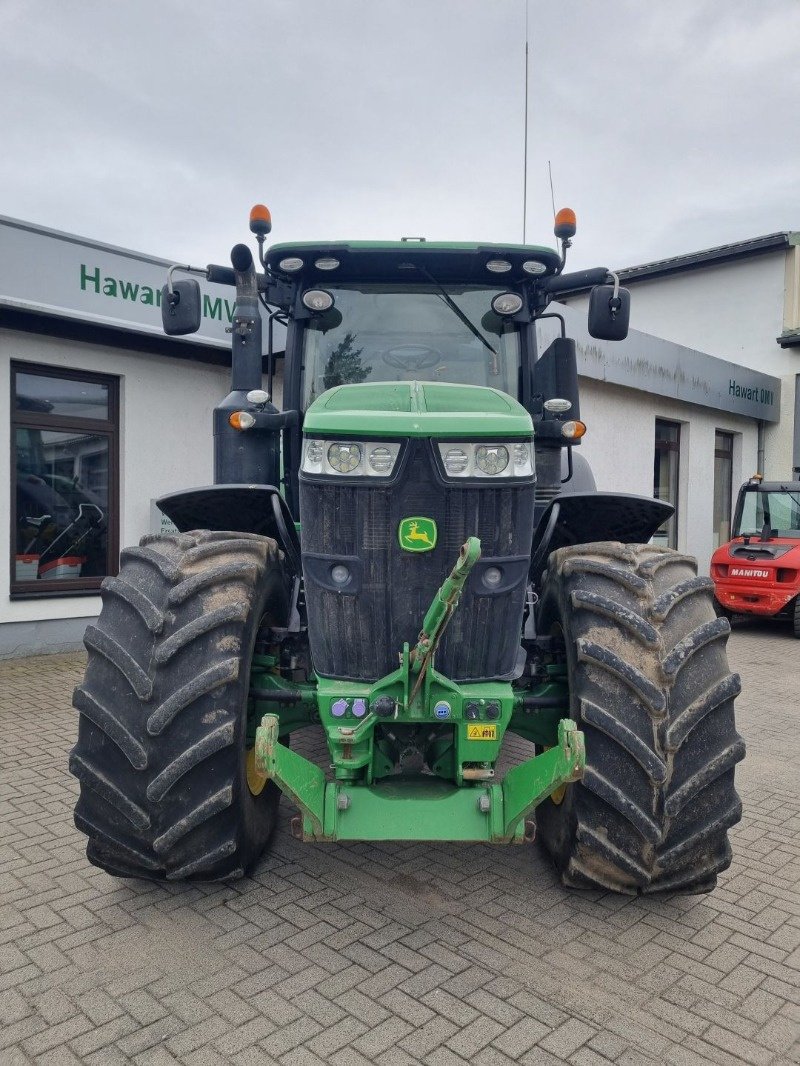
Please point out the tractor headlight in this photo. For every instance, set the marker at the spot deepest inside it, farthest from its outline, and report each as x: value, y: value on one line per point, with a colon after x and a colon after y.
x: 343, y: 457
x: 487, y: 460
x: 381, y: 460
x: 523, y: 459
x: 455, y: 460
x: 349, y: 457
x: 491, y: 458
x: 317, y: 300
x: 507, y: 303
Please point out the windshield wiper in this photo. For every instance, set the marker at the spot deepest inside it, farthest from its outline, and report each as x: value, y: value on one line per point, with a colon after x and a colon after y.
x: 445, y: 295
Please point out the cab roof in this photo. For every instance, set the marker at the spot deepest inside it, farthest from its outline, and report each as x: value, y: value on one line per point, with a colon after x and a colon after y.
x: 772, y: 486
x: 373, y: 261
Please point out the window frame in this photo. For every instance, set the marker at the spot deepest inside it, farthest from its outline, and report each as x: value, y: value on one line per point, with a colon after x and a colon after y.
x: 670, y: 446
x: 726, y: 454
x: 109, y: 428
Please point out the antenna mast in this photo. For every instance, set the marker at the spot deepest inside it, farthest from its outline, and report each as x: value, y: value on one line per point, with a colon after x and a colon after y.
x: 525, y: 150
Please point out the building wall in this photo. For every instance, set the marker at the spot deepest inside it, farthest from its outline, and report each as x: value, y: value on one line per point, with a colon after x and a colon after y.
x: 620, y: 447
x: 165, y: 445
x: 734, y: 311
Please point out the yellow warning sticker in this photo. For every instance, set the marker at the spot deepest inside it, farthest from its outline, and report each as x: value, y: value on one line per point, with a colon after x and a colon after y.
x: 481, y: 732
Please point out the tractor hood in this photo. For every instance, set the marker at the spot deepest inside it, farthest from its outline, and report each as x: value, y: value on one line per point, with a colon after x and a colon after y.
x: 418, y: 409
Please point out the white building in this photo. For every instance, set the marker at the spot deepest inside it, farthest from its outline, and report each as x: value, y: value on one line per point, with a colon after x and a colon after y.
x: 93, y: 390
x: 118, y: 414
x: 740, y: 305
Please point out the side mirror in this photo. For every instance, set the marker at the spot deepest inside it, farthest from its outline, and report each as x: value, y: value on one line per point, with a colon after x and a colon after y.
x: 181, y: 309
x: 609, y: 313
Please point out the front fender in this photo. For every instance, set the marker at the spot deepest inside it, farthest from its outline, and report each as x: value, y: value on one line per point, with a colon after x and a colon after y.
x: 586, y: 517
x: 241, y: 508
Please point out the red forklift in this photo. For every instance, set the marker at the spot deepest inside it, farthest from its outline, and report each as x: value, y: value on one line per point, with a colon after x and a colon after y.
x: 758, y: 571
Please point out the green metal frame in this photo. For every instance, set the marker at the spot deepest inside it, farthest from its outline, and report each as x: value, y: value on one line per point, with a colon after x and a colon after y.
x: 367, y: 800
x: 423, y: 807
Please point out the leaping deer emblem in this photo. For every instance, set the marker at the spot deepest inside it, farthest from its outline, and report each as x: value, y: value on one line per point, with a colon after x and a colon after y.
x: 415, y: 534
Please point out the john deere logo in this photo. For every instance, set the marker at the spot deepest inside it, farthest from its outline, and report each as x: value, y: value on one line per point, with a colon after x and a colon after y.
x: 417, y: 534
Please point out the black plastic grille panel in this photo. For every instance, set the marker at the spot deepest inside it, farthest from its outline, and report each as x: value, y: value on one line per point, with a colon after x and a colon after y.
x: 359, y: 636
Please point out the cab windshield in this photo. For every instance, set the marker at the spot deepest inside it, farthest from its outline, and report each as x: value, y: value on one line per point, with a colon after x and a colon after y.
x: 383, y: 333
x: 780, y: 510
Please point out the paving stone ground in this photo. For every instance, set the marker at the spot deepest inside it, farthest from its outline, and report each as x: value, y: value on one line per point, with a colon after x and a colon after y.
x: 397, y: 953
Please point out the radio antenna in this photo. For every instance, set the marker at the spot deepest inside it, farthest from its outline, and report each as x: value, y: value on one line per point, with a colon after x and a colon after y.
x: 552, y: 193
x: 525, y: 150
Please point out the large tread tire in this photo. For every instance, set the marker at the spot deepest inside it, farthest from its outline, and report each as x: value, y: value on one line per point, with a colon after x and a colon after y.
x: 651, y: 688
x: 796, y: 618
x: 160, y: 754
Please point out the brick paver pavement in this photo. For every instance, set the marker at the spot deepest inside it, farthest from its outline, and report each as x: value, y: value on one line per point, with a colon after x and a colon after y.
x: 395, y: 953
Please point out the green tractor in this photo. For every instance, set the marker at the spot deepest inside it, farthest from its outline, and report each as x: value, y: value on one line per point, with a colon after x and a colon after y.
x: 412, y: 557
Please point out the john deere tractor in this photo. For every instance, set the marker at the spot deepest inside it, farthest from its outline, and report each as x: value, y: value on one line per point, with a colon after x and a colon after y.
x: 413, y: 558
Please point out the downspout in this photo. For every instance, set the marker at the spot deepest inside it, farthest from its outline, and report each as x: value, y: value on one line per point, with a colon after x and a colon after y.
x: 760, y: 447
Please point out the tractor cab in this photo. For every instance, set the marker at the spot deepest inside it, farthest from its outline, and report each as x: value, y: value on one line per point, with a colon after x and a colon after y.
x: 406, y: 311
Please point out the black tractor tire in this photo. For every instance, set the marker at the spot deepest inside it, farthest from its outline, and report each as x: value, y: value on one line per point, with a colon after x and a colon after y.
x: 796, y: 618
x: 651, y: 689
x: 161, y: 755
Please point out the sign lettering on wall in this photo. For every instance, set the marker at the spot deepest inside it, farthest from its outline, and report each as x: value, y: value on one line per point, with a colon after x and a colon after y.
x: 652, y: 364
x: 44, y: 270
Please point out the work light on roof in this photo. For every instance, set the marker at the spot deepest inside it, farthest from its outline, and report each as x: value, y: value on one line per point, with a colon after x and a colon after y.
x: 498, y: 266
x: 326, y: 262
x: 507, y: 303
x: 533, y: 266
x: 291, y: 264
x: 318, y: 300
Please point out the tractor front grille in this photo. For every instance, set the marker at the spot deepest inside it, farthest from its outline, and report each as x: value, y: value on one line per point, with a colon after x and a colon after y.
x: 357, y: 633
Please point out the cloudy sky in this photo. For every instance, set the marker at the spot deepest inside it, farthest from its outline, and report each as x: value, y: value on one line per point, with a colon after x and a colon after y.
x: 671, y: 125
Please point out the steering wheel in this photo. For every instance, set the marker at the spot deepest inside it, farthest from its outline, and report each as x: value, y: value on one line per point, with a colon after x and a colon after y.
x: 412, y: 356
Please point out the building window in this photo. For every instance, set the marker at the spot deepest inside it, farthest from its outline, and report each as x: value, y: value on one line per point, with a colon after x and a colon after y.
x: 723, y: 486
x: 64, y: 480
x: 665, y: 478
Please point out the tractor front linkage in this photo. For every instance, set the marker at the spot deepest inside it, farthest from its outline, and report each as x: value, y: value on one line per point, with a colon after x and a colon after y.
x: 368, y: 799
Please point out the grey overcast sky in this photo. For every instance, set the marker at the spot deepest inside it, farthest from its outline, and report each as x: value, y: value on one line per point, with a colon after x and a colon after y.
x: 671, y: 124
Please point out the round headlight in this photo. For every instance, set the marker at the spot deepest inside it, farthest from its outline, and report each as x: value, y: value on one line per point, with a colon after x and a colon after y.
x: 491, y: 458
x: 381, y: 460
x: 317, y: 300
x: 498, y: 266
x: 326, y: 262
x: 343, y: 457
x: 455, y: 461
x: 314, y: 451
x: 507, y: 303
x: 533, y: 266
x: 290, y: 264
